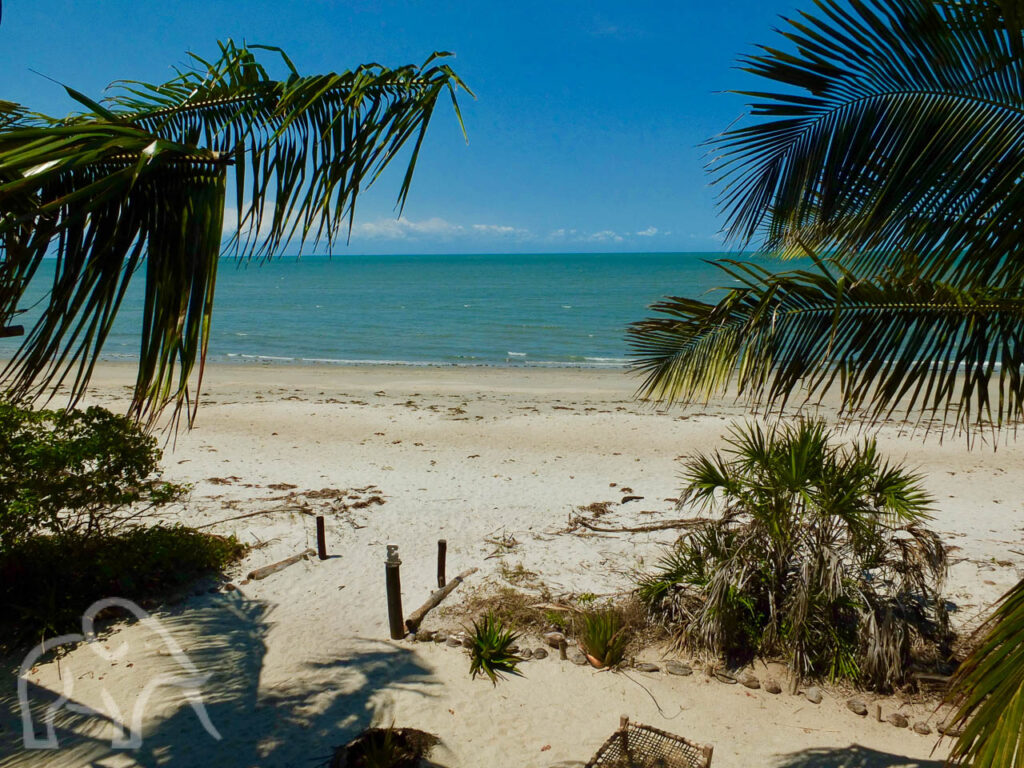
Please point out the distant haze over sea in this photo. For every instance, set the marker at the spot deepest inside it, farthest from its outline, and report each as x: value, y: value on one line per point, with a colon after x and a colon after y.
x: 561, y: 310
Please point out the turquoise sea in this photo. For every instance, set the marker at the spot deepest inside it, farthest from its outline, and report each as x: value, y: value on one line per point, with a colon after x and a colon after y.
x: 562, y: 310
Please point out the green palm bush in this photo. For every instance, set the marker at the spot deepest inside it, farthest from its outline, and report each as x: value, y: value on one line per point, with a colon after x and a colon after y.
x: 813, y: 551
x: 491, y: 652
x: 603, y: 636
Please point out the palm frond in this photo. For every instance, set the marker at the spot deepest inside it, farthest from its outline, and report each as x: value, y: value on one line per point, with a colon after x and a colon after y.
x: 303, y: 146
x: 988, y: 691
x: 887, y: 343
x: 139, y: 183
x: 898, y: 128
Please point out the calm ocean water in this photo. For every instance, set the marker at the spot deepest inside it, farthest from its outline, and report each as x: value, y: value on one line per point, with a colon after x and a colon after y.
x: 560, y: 310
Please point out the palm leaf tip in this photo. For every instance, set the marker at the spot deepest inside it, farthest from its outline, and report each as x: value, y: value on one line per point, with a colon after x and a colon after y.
x: 987, y: 691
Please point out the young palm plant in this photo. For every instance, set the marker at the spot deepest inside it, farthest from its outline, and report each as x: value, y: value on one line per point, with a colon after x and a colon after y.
x: 814, y: 552
x: 141, y: 183
x: 491, y: 652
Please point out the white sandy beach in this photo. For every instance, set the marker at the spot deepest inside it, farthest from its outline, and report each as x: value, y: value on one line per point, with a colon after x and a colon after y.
x: 301, y: 661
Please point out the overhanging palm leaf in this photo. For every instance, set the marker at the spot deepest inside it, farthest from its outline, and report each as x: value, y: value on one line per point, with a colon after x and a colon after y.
x: 988, y: 691
x: 892, y: 140
x: 142, y: 180
x: 892, y: 342
x: 899, y: 128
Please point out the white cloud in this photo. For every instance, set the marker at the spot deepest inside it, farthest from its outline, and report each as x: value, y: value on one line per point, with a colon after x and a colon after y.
x: 649, y: 232
x: 501, y: 230
x: 604, y: 236
x: 405, y: 229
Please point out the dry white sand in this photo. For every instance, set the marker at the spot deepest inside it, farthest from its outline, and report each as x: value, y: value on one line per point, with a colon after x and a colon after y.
x: 301, y: 661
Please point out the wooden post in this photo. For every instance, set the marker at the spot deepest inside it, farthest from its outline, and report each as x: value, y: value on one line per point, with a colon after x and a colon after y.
x: 321, y: 538
x: 708, y: 750
x: 442, y: 552
x: 562, y: 649
x: 394, y: 588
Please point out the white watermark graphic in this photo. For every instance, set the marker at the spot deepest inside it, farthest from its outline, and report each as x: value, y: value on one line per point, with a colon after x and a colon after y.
x: 127, y: 734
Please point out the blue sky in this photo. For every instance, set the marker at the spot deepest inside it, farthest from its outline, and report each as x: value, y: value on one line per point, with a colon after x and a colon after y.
x: 585, y: 134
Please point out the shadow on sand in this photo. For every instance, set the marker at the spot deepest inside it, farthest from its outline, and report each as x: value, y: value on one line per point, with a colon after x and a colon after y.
x: 854, y: 756
x: 324, y: 704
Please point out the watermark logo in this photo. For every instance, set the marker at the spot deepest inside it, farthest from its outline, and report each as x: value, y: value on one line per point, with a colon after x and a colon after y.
x: 128, y: 733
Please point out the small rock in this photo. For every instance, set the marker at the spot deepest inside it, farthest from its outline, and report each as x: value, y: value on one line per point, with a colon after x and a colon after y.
x: 554, y: 638
x: 440, y: 637
x: 771, y: 685
x: 813, y: 695
x: 411, y: 637
x: 749, y: 680
x: 725, y: 677
x: 229, y: 587
x: 948, y: 729
x: 678, y: 668
x: 424, y: 636
x: 923, y: 728
x: 467, y: 642
x: 540, y: 653
x: 526, y: 654
x: 578, y: 658
x: 453, y: 641
x: 898, y: 719
x: 857, y: 706
x: 646, y: 666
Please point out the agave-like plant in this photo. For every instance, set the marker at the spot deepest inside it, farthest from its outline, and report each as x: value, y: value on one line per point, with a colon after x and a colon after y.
x: 808, y: 550
x: 491, y: 650
x: 141, y: 182
x: 603, y: 636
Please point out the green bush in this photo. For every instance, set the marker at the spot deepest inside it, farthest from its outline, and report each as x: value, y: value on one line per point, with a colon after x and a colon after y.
x: 83, y: 472
x: 47, y: 582
x: 814, y: 553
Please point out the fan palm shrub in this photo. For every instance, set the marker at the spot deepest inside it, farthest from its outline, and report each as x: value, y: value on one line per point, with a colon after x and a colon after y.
x: 142, y: 183
x: 807, y: 550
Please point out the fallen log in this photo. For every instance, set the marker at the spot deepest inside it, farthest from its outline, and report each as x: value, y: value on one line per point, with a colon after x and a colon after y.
x: 416, y: 617
x: 267, y: 570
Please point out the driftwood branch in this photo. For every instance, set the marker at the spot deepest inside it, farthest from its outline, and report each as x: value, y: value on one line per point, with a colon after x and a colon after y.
x: 667, y: 525
x: 269, y: 511
x: 417, y: 616
x: 267, y: 570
